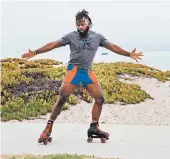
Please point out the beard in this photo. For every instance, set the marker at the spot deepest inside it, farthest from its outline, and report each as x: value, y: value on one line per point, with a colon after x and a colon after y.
x: 83, y: 34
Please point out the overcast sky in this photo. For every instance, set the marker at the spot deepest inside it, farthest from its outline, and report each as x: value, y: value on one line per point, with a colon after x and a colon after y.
x: 30, y: 25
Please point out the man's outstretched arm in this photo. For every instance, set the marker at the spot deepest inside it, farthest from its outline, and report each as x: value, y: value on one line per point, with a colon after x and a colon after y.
x: 120, y: 51
x: 117, y: 49
x: 48, y: 47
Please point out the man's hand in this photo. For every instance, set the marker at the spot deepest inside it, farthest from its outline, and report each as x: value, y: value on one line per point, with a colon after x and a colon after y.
x: 28, y: 55
x: 135, y: 55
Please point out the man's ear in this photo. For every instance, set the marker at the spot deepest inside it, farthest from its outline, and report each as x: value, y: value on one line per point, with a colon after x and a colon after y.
x: 76, y: 26
x: 90, y: 24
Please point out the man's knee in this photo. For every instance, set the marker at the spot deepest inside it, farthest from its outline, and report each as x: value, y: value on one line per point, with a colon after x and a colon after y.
x: 60, y: 103
x: 62, y: 99
x: 100, y: 100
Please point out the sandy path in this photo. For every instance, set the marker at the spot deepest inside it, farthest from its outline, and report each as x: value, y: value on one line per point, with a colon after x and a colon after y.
x: 150, y: 112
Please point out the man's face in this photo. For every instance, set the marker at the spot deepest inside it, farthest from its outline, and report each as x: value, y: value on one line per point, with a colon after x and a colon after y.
x: 82, y: 25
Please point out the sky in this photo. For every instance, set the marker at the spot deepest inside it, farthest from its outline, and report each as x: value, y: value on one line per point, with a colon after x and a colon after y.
x: 144, y: 25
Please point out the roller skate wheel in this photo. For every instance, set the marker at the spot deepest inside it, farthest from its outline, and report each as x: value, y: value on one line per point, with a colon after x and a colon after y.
x: 39, y: 140
x: 103, y: 140
x: 107, y: 134
x: 49, y: 139
x: 89, y: 140
x: 45, y: 141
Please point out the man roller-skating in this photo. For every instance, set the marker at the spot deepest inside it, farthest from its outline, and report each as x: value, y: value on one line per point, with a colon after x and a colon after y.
x: 83, y: 46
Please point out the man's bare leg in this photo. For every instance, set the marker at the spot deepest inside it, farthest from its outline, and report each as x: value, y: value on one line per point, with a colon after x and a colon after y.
x: 96, y: 92
x: 65, y: 91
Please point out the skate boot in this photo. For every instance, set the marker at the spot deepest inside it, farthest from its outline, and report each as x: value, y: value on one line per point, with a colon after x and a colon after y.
x: 95, y: 132
x: 45, y: 136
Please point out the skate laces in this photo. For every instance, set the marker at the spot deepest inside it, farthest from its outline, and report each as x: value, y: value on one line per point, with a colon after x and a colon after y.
x: 97, y: 127
x: 100, y: 130
x: 94, y: 124
x: 48, y: 128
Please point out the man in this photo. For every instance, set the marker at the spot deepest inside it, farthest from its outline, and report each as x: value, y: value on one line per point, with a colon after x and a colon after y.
x: 83, y: 46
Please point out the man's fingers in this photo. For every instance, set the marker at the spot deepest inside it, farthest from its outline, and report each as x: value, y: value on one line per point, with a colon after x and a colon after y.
x: 135, y: 59
x: 28, y: 58
x: 140, y: 54
x: 23, y: 56
x: 29, y: 50
x: 134, y: 50
x: 139, y: 58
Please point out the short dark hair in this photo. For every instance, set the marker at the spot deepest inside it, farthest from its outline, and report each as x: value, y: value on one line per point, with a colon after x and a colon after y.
x: 82, y: 14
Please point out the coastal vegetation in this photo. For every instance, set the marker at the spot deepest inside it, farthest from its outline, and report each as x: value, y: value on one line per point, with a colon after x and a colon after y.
x: 30, y: 88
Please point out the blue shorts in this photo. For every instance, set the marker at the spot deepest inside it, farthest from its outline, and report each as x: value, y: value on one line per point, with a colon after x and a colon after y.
x: 79, y: 76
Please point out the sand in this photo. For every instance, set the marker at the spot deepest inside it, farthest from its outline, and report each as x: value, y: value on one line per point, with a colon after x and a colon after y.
x: 149, y: 112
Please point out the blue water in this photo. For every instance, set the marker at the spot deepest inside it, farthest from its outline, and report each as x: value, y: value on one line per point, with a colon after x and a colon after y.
x: 156, y: 59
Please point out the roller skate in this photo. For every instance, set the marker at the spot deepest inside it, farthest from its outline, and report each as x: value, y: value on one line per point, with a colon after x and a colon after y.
x: 45, y: 136
x: 95, y: 132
